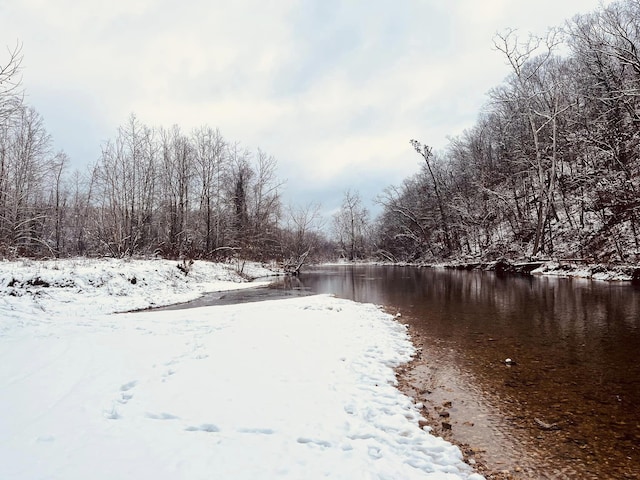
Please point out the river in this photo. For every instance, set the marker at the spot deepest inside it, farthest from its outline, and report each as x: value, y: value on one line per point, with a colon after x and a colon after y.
x: 568, y: 403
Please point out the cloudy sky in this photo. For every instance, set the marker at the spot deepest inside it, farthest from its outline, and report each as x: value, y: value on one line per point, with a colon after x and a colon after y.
x: 334, y: 90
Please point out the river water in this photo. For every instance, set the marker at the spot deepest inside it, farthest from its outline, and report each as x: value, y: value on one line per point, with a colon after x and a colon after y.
x: 567, y: 406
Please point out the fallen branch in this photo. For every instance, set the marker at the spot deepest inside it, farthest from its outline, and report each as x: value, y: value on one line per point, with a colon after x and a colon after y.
x: 294, y: 265
x: 185, y: 267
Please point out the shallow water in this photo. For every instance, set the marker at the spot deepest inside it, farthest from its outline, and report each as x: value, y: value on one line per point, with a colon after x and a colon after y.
x: 283, y: 287
x: 575, y: 346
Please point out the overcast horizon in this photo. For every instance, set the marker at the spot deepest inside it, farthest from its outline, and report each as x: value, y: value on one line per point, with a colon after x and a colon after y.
x: 333, y: 90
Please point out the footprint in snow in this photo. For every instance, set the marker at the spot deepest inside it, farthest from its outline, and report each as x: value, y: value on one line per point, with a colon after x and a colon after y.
x: 128, y: 386
x: 314, y: 441
x: 262, y: 431
x: 205, y: 427
x: 112, y: 414
x: 125, y: 397
x: 375, y: 453
x: 161, y: 416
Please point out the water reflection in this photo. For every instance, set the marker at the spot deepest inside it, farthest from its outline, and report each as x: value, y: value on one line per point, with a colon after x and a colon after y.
x: 593, y: 318
x: 575, y: 342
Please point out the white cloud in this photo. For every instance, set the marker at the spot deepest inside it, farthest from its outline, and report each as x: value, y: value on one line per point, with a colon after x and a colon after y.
x: 333, y: 89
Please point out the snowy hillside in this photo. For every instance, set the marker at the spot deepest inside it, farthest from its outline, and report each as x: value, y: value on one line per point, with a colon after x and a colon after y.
x: 292, y: 389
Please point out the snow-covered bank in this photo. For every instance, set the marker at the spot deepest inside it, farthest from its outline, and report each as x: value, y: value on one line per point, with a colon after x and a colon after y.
x: 79, y: 287
x: 301, y: 388
x: 612, y: 273
x: 620, y: 273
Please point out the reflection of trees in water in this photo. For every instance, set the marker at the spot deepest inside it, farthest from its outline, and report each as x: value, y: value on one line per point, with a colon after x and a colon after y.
x: 289, y: 282
x: 578, y: 328
x: 534, y: 310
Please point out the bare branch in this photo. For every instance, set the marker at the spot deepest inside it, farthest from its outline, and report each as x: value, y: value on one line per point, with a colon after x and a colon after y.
x: 11, y: 95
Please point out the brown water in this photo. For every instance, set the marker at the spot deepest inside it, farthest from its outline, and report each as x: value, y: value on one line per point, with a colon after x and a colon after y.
x: 575, y: 344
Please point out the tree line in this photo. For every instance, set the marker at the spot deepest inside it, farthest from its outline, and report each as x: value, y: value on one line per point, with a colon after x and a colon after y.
x: 155, y: 191
x: 152, y: 191
x: 552, y: 165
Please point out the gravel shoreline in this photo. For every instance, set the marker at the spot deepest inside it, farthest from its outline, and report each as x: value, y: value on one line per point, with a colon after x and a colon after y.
x: 439, y: 417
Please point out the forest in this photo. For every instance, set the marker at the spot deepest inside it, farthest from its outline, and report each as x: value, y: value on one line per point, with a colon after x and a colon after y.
x: 550, y: 169
x: 153, y: 191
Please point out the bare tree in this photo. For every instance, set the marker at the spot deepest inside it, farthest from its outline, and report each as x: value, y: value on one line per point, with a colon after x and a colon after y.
x: 427, y: 154
x: 10, y: 83
x: 25, y: 164
x: 58, y: 202
x: 125, y: 176
x: 176, y: 190
x: 408, y: 223
x: 539, y: 98
x: 210, y: 159
x: 265, y: 207
x: 302, y: 234
x: 350, y: 225
x: 81, y: 213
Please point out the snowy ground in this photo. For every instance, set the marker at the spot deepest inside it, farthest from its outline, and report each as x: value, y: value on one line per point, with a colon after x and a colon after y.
x: 294, y: 389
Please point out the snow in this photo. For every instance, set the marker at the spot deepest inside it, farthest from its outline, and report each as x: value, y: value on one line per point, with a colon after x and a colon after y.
x: 81, y: 287
x: 590, y: 271
x: 281, y: 389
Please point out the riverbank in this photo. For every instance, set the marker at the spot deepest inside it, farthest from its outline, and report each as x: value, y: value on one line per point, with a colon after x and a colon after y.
x: 575, y: 268
x: 456, y: 416
x: 88, y: 286
x: 287, y: 389
x: 559, y: 268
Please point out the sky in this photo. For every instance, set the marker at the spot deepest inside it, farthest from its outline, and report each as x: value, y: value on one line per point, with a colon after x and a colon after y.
x: 333, y: 90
